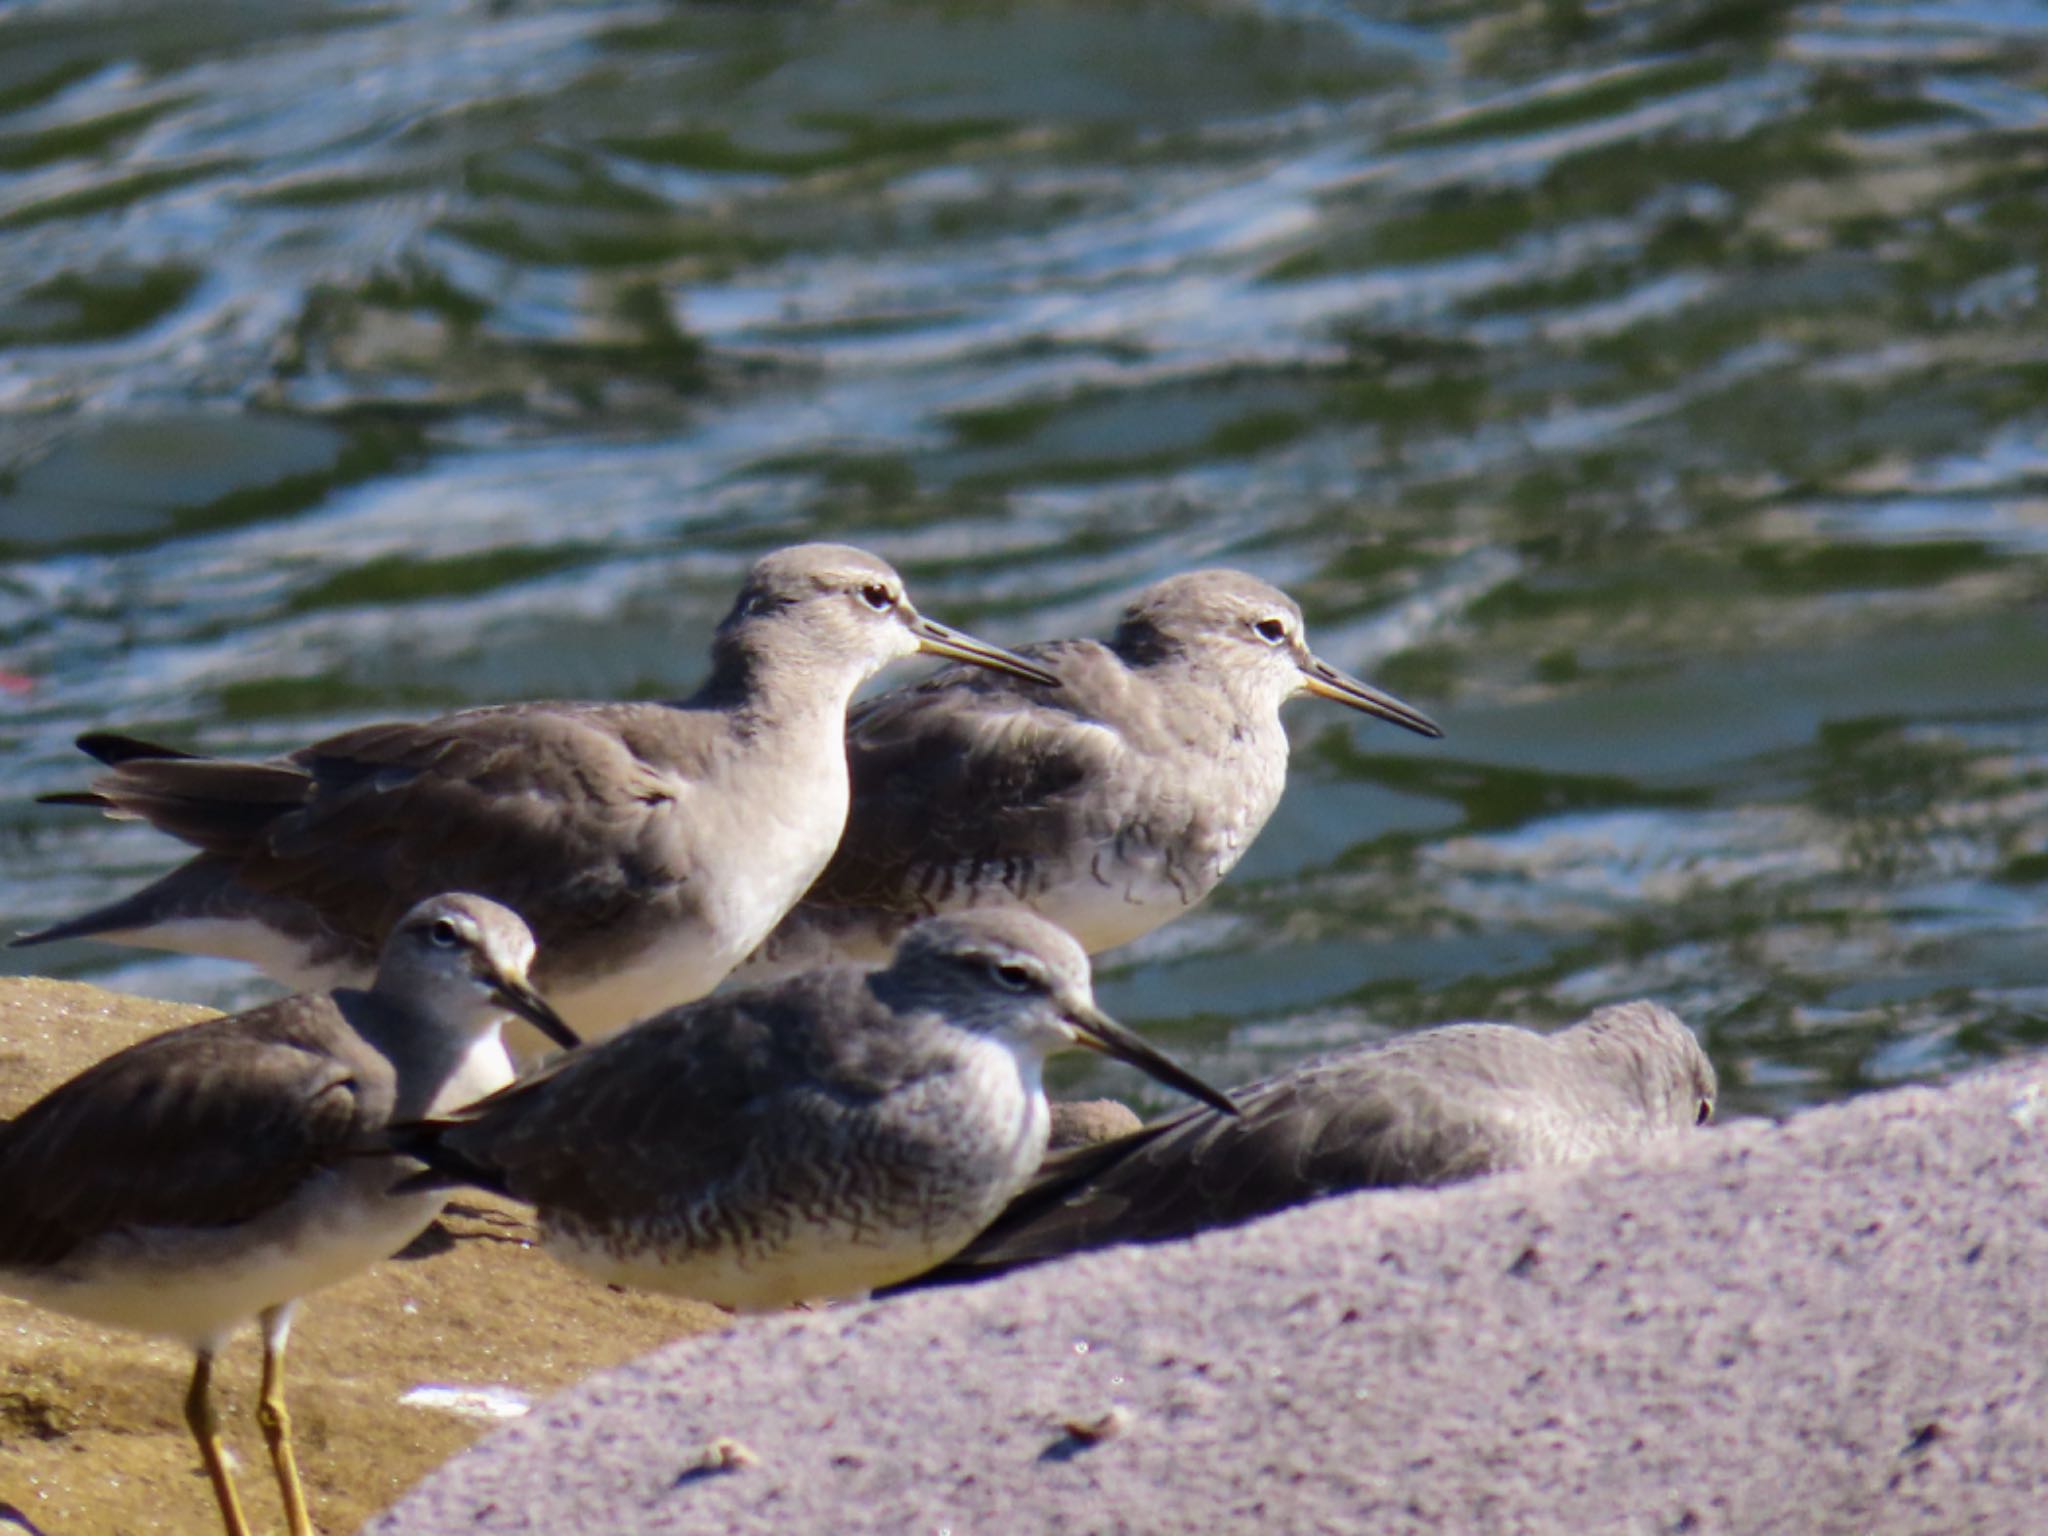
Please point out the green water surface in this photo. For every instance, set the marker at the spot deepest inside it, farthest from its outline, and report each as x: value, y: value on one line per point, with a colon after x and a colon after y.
x: 1657, y: 393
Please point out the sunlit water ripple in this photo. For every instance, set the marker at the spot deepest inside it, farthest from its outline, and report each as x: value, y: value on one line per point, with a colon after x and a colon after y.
x: 1654, y: 393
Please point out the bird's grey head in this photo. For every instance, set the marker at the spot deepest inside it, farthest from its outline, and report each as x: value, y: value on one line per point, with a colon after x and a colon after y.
x: 1250, y: 635
x: 1656, y: 1058
x: 835, y: 610
x: 463, y: 959
x: 1010, y: 974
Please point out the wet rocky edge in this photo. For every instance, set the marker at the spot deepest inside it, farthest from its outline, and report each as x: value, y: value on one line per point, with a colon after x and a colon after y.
x: 1829, y: 1324
x: 391, y: 1373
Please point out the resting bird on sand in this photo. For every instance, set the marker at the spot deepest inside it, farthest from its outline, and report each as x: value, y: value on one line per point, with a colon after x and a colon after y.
x: 1434, y: 1107
x: 649, y: 846
x: 1110, y: 804
x: 209, y: 1176
x: 809, y: 1139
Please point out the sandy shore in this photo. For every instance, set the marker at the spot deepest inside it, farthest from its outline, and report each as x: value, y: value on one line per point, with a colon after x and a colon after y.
x: 92, y: 1441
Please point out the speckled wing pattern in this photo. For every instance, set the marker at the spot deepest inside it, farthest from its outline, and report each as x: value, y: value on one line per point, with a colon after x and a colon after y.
x: 204, y: 1126
x: 362, y: 825
x: 659, y: 1110
x: 972, y: 759
x: 1358, y: 1120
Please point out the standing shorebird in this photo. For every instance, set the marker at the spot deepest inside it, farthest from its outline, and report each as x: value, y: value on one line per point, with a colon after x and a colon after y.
x: 809, y: 1139
x: 650, y: 846
x: 1434, y: 1107
x: 206, y: 1176
x: 1110, y: 805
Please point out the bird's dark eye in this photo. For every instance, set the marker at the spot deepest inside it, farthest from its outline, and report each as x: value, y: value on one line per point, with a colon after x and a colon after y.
x: 878, y: 597
x: 1272, y: 631
x: 1010, y: 976
x: 444, y: 933
x: 1706, y: 1112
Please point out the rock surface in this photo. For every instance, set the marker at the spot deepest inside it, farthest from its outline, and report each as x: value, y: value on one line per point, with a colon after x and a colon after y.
x: 1835, y: 1325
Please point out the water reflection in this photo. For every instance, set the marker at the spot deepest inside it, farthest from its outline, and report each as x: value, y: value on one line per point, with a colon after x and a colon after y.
x: 1650, y: 391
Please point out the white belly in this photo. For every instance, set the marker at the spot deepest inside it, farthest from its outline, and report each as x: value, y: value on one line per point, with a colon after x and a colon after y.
x: 282, y: 958
x: 1136, y: 899
x: 199, y: 1285
x: 484, y: 1068
x: 824, y: 1264
x: 681, y: 969
x: 1101, y: 916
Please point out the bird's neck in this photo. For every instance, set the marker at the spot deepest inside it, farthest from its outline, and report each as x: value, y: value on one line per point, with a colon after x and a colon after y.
x: 794, y: 688
x: 481, y: 1066
x: 434, y: 1059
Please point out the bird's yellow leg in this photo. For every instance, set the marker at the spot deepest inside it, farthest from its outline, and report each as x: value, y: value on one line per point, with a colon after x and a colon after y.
x: 199, y: 1418
x: 277, y: 1423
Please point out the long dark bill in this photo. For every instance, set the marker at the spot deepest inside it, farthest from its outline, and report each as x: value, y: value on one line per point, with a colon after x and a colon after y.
x: 1099, y: 1032
x: 517, y: 997
x: 1326, y: 682
x: 941, y: 640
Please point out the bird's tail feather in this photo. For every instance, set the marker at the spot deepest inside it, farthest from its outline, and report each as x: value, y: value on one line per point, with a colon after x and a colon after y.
x: 446, y: 1167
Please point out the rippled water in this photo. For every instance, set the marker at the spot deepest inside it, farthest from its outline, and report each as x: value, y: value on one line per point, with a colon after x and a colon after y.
x: 1656, y: 392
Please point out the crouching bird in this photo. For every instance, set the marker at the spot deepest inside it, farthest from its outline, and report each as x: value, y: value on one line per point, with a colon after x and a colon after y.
x: 1433, y: 1107
x: 809, y: 1139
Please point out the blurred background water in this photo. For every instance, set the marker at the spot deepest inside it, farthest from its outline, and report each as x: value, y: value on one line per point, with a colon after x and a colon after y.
x: 1657, y: 392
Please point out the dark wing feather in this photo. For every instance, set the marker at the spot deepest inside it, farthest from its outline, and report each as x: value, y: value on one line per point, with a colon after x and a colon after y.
x: 151, y: 784
x: 205, y: 887
x: 114, y: 749
x: 362, y: 825
x: 217, y: 806
x: 1362, y: 1120
x: 669, y: 1107
x: 1194, y: 1170
x: 971, y: 758
x: 205, y: 1126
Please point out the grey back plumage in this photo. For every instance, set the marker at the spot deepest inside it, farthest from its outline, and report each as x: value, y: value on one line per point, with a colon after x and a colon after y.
x: 215, y: 1123
x: 1434, y: 1107
x: 680, y: 1102
x: 621, y: 830
x: 807, y: 1138
x: 766, y: 1083
x: 1158, y: 759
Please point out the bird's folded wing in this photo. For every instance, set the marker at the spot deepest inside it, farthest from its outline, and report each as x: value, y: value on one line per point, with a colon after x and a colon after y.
x: 965, y: 777
x: 363, y: 825
x: 674, y: 1105
x: 181, y: 1131
x: 1302, y: 1135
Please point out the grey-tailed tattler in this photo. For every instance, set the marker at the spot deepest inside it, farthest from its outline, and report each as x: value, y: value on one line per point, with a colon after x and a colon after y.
x: 1432, y: 1107
x: 1110, y: 804
x: 808, y: 1139
x: 649, y: 845
x: 209, y: 1176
